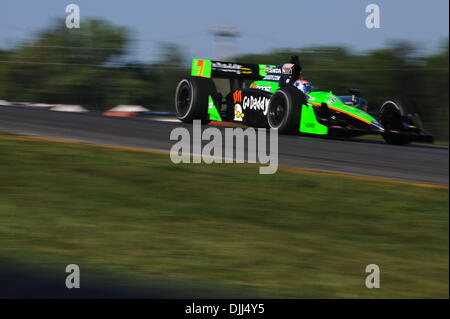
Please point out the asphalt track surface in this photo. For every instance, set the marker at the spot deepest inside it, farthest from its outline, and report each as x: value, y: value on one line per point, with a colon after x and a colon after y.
x: 412, y: 163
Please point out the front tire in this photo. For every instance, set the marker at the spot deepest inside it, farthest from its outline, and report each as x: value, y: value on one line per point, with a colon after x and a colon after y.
x: 191, y: 98
x: 394, y: 113
x: 285, y: 110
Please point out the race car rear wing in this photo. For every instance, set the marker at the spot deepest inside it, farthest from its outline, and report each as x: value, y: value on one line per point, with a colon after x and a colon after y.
x: 228, y: 70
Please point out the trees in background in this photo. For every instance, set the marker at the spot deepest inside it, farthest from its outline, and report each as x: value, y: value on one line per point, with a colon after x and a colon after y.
x: 88, y: 66
x: 64, y: 65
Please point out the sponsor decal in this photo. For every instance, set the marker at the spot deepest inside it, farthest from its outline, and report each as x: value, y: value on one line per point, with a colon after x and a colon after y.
x: 238, y: 115
x: 237, y: 96
x: 332, y: 100
x: 272, y: 77
x: 287, y: 68
x: 231, y: 67
x: 264, y: 87
x: 275, y: 70
x: 256, y: 103
x: 246, y: 70
x: 264, y: 69
x: 261, y: 87
x: 267, y: 68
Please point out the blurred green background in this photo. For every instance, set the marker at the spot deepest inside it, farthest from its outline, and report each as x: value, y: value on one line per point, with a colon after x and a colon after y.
x: 89, y: 67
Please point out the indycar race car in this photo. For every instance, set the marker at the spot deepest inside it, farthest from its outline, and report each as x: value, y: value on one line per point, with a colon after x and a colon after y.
x: 279, y: 98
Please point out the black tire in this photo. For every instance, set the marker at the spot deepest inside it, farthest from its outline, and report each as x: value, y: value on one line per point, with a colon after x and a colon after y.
x: 191, y: 98
x: 285, y: 110
x: 393, y: 111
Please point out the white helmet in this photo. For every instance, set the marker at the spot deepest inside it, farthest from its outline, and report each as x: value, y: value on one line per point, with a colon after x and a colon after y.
x: 304, y: 85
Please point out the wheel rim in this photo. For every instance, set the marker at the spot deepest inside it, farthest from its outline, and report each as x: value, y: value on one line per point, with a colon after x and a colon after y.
x: 277, y: 111
x: 184, y: 98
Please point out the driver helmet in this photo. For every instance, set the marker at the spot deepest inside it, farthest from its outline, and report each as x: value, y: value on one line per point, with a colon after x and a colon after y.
x: 304, y: 85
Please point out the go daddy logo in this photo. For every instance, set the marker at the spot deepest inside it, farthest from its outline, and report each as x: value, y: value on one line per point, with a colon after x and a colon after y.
x: 253, y: 103
x: 260, y: 103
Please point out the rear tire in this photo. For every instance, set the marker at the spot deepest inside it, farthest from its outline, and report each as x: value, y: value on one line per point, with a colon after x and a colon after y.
x: 191, y: 98
x: 285, y: 110
x: 393, y: 112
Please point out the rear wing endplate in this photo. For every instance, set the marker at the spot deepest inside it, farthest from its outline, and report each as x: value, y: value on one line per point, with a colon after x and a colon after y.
x: 228, y: 70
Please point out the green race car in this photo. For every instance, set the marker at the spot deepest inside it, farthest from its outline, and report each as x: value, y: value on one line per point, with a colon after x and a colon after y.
x: 280, y: 98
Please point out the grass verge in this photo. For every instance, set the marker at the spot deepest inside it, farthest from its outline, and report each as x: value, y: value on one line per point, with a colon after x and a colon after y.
x: 288, y: 235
